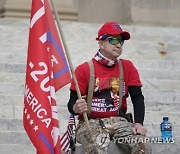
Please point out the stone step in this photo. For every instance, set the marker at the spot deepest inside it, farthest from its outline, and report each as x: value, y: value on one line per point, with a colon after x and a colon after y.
x: 166, y: 84
x: 15, y: 103
x: 13, y: 58
x: 14, y: 99
x: 155, y: 101
x: 146, y: 76
x: 16, y: 112
x: 166, y: 34
x: 10, y: 147
x: 132, y: 50
x: 11, y: 112
x: 12, y: 34
x: 14, y: 137
x: 13, y: 78
x: 162, y: 107
x: 157, y: 106
x: 153, y: 130
x: 156, y: 74
x: 145, y: 65
x: 154, y: 117
x: 23, y: 33
x: 11, y: 125
x: 152, y: 125
x: 150, y: 33
x: 152, y: 63
x: 152, y: 94
x: 13, y: 128
x: 157, y: 64
x: 17, y: 149
x: 138, y: 51
x: 16, y: 125
x: 18, y: 48
x: 15, y: 89
x: 160, y: 94
x: 11, y: 100
x: 138, y: 33
x: 139, y: 42
x: 12, y: 68
x: 149, y: 47
x: 157, y: 148
x: 8, y: 112
x: 160, y: 148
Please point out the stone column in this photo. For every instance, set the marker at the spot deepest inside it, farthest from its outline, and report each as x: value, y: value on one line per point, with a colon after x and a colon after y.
x: 99, y: 11
x: 2, y: 3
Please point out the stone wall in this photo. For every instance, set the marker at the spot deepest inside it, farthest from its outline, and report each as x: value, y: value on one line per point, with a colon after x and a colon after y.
x: 98, y: 11
x: 21, y: 8
x: 150, y: 12
x: 159, y: 12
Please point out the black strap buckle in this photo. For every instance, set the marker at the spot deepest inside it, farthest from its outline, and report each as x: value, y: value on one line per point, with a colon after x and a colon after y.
x: 102, y: 124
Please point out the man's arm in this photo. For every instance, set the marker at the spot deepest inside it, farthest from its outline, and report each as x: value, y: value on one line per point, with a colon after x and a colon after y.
x: 76, y: 106
x: 72, y: 101
x: 139, y: 110
x: 138, y: 103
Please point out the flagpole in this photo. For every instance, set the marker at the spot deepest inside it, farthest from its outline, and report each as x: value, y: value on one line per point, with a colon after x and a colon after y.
x: 70, y: 62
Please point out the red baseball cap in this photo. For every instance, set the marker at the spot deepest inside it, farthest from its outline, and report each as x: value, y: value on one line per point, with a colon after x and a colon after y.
x: 112, y: 28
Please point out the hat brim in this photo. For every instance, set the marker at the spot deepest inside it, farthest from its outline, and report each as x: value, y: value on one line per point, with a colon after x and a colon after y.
x: 125, y: 35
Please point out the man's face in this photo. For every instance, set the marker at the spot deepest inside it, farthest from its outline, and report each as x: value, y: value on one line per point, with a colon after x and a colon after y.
x: 111, y: 47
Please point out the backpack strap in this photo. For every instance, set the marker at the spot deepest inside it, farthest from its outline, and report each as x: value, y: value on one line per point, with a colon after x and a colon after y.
x: 121, y: 82
x: 91, y: 86
x: 92, y: 80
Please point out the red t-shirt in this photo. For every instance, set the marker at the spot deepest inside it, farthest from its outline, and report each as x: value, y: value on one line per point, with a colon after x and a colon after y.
x: 106, y: 89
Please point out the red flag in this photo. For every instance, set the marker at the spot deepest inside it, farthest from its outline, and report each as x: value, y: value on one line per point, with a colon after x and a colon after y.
x: 47, y: 70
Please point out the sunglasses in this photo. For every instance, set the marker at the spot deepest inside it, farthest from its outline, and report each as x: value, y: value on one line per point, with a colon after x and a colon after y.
x: 115, y: 41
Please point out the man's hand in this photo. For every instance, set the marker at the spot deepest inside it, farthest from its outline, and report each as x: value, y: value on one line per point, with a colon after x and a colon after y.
x: 80, y: 106
x: 138, y: 129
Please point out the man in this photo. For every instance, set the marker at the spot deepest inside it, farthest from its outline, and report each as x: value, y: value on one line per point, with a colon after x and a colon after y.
x: 107, y: 116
